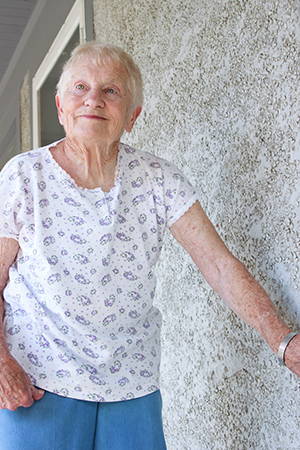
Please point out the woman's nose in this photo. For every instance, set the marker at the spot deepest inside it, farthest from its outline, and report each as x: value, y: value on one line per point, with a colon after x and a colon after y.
x: 94, y: 99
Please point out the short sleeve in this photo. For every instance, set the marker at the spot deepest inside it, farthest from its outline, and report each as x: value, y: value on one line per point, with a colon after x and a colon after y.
x: 173, y: 193
x: 12, y: 193
x: 179, y: 193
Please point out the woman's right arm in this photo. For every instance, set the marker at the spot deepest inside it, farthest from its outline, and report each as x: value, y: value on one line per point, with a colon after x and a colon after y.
x: 16, y: 388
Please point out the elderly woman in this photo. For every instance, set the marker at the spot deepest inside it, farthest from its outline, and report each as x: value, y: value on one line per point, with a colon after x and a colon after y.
x: 81, y: 228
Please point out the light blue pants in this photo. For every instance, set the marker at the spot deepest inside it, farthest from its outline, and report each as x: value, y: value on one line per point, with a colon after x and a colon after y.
x: 59, y: 423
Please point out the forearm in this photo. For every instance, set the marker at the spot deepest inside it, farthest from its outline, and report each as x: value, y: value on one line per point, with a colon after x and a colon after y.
x: 228, y: 276
x: 16, y: 388
x: 251, y: 302
x: 4, y: 351
x: 8, y: 251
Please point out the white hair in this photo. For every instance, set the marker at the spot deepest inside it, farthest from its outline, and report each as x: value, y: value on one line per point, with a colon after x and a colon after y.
x: 98, y: 54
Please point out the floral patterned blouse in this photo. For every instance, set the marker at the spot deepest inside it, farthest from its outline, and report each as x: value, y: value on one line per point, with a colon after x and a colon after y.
x: 79, y: 314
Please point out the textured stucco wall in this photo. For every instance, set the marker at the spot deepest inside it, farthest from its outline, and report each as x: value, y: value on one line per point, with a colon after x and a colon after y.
x: 222, y: 89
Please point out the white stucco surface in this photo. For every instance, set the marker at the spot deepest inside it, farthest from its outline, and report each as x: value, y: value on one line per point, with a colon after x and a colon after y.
x: 222, y: 101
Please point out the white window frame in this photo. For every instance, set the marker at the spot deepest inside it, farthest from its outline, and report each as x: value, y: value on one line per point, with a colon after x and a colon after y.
x: 75, y: 19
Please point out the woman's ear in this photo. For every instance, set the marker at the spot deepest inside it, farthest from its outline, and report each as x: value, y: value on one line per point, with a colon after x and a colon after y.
x: 133, y: 118
x: 59, y: 109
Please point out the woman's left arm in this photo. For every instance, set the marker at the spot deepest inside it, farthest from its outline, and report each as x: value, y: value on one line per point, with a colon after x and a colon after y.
x: 232, y: 281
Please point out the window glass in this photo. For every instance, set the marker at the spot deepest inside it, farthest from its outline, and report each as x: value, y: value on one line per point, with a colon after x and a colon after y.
x: 8, y: 147
x: 50, y: 128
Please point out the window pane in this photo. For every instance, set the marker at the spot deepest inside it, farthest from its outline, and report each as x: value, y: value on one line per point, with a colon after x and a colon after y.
x: 51, y: 130
x: 8, y: 147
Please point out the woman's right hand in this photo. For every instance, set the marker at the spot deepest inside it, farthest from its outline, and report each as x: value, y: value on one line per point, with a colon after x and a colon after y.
x: 16, y: 388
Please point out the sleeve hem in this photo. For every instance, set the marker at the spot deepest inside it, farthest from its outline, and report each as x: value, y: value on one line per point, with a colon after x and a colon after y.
x: 186, y: 207
x: 8, y: 236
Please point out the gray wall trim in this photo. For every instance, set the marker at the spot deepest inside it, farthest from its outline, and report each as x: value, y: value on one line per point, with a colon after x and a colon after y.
x: 89, y: 20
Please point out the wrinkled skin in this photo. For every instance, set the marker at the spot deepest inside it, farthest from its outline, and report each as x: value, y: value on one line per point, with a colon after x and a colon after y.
x: 16, y: 388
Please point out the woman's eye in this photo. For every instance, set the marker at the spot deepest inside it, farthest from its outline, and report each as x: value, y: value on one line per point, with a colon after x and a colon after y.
x: 80, y: 87
x: 111, y: 91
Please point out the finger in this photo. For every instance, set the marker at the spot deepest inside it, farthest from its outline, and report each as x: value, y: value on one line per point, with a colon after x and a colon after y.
x: 21, y: 397
x: 37, y: 394
x: 11, y: 405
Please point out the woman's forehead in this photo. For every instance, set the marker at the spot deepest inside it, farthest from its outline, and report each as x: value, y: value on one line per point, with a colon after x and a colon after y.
x: 109, y: 68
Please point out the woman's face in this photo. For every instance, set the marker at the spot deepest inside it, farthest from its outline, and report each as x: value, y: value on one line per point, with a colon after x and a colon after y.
x: 96, y: 105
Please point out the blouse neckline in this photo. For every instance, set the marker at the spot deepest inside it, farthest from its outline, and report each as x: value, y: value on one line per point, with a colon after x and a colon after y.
x: 65, y: 175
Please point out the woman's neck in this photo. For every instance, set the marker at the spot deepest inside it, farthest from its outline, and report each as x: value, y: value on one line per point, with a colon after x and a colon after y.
x: 91, y: 166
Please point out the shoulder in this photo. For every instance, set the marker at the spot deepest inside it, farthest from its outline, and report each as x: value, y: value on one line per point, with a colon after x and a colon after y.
x: 149, y: 162
x: 24, y: 159
x: 21, y: 160
x: 140, y: 154
x: 24, y: 167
